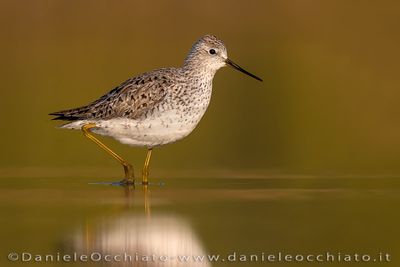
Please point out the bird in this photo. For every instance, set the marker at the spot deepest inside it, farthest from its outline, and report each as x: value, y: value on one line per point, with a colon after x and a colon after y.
x: 154, y: 108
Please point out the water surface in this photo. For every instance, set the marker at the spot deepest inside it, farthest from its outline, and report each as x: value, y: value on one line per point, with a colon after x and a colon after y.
x: 232, y: 218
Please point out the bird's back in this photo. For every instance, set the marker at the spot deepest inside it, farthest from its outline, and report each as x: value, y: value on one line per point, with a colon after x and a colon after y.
x: 131, y: 99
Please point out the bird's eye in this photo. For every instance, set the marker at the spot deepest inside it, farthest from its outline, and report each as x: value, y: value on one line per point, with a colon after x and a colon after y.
x: 212, y: 51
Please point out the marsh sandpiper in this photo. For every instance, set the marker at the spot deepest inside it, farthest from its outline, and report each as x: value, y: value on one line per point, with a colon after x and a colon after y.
x: 154, y: 108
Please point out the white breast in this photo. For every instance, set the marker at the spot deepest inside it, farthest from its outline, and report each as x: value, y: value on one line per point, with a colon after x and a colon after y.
x: 156, y: 129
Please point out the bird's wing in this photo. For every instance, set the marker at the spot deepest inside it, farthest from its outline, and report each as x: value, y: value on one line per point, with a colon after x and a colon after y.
x: 131, y: 99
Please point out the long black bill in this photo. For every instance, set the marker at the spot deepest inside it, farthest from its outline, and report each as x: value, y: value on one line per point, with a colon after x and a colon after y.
x: 236, y: 66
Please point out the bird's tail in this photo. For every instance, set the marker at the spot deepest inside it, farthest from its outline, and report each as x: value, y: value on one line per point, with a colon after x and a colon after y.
x: 71, y: 114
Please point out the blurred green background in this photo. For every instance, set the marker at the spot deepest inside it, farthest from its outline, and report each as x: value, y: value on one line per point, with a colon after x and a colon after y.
x: 329, y: 102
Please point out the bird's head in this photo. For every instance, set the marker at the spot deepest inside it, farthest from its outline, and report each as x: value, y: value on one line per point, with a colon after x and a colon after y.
x: 209, y: 52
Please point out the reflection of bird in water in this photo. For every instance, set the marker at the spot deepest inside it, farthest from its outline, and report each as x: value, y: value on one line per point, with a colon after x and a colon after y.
x: 154, y: 108
x: 148, y: 240
x: 158, y: 241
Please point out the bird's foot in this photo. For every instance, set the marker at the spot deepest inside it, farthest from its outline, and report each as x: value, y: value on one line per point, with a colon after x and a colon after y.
x: 126, y: 182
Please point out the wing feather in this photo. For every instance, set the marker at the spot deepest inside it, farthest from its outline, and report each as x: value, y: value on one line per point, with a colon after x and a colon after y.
x: 131, y: 99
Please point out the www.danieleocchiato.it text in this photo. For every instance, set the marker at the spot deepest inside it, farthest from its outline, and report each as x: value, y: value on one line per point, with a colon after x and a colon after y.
x: 232, y: 257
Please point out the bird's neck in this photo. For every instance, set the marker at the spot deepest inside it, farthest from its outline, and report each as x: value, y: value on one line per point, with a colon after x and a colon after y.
x: 200, y: 72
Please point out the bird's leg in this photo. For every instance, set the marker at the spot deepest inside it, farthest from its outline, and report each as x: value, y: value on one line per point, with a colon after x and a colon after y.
x: 145, y: 172
x: 128, y: 168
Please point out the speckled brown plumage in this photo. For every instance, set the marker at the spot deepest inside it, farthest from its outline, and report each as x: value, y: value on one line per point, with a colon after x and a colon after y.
x: 131, y: 99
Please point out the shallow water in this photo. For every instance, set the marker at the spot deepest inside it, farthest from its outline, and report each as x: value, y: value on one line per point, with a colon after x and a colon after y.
x: 233, y: 218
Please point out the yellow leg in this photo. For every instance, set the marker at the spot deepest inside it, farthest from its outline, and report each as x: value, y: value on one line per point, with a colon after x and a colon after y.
x: 146, y: 169
x: 128, y: 169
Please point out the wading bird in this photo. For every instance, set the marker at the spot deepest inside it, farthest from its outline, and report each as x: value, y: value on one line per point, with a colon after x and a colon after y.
x: 154, y: 108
